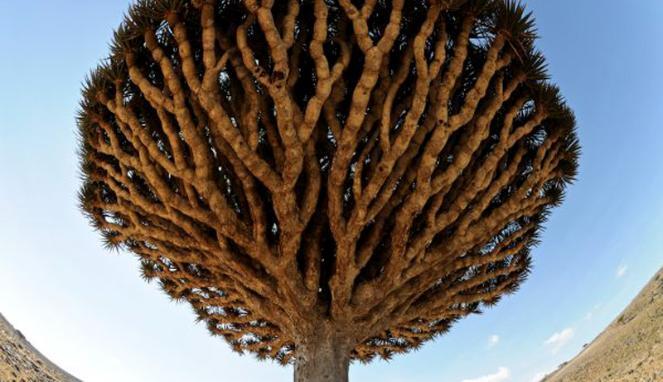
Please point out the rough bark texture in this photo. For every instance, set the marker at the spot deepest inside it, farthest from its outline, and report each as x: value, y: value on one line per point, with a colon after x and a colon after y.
x: 323, y: 356
x: 382, y: 167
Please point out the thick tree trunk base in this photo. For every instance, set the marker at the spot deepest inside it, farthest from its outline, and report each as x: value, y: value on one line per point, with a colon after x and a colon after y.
x: 322, y: 358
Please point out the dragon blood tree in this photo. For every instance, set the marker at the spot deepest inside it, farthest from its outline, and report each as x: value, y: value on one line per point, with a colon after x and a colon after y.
x: 326, y: 180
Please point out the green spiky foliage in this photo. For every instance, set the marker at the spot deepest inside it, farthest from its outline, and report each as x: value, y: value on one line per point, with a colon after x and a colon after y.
x: 363, y: 172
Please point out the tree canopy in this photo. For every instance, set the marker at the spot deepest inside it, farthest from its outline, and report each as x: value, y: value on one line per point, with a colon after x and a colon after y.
x: 370, y: 170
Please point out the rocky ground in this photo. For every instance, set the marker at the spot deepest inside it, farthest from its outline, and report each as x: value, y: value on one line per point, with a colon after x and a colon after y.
x: 630, y: 349
x: 21, y: 362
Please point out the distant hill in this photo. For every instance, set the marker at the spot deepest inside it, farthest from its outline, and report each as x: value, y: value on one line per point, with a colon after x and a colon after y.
x: 21, y: 362
x: 629, y: 349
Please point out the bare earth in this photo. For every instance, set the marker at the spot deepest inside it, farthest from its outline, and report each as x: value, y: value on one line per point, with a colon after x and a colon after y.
x: 21, y: 362
x: 629, y: 349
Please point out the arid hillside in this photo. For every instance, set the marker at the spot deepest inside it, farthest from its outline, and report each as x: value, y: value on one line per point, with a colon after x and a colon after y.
x: 21, y: 362
x: 629, y: 349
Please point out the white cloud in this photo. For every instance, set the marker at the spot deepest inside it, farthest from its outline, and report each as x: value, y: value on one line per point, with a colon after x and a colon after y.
x: 502, y: 374
x: 590, y: 315
x: 539, y: 376
x: 493, y: 340
x: 621, y: 271
x: 559, y: 339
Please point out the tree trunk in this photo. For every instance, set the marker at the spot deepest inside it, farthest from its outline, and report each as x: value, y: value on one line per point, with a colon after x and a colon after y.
x: 323, y: 357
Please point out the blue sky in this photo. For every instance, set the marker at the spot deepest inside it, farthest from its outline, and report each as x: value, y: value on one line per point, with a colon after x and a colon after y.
x: 89, y: 311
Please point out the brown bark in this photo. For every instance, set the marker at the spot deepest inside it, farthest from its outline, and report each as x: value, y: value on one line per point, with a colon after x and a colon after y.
x: 323, y: 356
